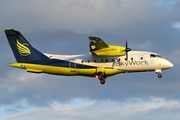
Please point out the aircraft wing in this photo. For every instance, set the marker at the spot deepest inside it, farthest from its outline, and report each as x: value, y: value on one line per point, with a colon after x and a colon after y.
x: 96, y: 43
x: 99, y: 48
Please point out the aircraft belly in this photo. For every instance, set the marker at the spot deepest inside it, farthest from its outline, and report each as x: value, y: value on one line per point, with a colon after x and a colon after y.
x: 56, y: 70
x: 111, y: 72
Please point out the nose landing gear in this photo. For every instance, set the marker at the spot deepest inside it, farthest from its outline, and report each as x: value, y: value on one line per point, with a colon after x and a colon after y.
x: 159, y: 73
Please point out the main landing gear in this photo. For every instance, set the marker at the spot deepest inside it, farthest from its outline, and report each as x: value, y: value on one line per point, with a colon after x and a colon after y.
x: 102, y: 77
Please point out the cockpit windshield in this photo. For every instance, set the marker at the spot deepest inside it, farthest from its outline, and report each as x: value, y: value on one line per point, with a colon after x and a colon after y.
x: 154, y: 55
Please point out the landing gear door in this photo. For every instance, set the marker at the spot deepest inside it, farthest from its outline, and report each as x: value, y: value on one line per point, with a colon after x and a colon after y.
x: 72, y: 66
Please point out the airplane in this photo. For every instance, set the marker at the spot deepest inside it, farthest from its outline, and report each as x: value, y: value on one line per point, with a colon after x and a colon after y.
x: 103, y: 61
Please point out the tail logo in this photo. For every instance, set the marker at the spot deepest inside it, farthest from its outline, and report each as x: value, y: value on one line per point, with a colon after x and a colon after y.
x: 23, y: 48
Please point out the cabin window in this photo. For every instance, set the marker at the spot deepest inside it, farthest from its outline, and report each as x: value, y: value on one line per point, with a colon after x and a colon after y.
x: 125, y: 59
x: 159, y: 56
x: 141, y: 58
x: 88, y: 61
x: 106, y: 60
x: 101, y: 60
x: 152, y: 55
x: 82, y: 61
x: 94, y: 60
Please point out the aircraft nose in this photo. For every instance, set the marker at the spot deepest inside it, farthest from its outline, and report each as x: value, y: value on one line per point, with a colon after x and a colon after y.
x: 168, y: 64
x: 165, y: 64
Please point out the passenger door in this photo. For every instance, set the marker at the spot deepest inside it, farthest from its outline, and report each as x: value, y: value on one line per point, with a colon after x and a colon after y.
x: 72, y: 66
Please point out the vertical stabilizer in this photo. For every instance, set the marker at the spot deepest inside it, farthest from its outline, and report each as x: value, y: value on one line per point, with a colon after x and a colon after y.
x: 22, y: 49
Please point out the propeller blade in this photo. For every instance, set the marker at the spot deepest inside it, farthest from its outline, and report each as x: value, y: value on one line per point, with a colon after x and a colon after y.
x: 127, y: 50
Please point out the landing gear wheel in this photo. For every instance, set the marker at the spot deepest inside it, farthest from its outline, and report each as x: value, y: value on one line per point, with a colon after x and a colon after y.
x: 159, y: 75
x: 102, y: 82
x: 102, y: 77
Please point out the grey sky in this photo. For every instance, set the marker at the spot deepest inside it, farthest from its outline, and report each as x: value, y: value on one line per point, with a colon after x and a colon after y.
x: 63, y: 27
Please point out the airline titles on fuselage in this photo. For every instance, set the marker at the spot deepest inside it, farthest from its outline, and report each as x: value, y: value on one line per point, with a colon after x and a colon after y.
x: 127, y: 63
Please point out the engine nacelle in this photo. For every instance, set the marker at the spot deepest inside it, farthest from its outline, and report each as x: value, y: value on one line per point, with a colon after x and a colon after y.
x: 110, y: 51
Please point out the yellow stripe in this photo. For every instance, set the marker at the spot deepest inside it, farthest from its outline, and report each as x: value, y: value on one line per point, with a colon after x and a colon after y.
x: 63, y: 70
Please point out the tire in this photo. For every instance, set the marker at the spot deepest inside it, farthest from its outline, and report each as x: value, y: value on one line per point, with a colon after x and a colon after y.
x: 102, y: 82
x: 159, y: 75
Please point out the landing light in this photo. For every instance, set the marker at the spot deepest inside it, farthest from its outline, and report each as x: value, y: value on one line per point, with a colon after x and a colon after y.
x: 96, y: 76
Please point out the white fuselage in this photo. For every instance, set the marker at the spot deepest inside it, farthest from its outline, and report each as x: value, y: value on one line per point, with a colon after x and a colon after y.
x: 138, y: 61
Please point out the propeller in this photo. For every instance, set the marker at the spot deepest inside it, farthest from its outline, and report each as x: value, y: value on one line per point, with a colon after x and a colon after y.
x: 127, y: 50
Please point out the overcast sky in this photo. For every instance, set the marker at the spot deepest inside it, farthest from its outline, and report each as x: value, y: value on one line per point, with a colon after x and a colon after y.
x: 63, y: 27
